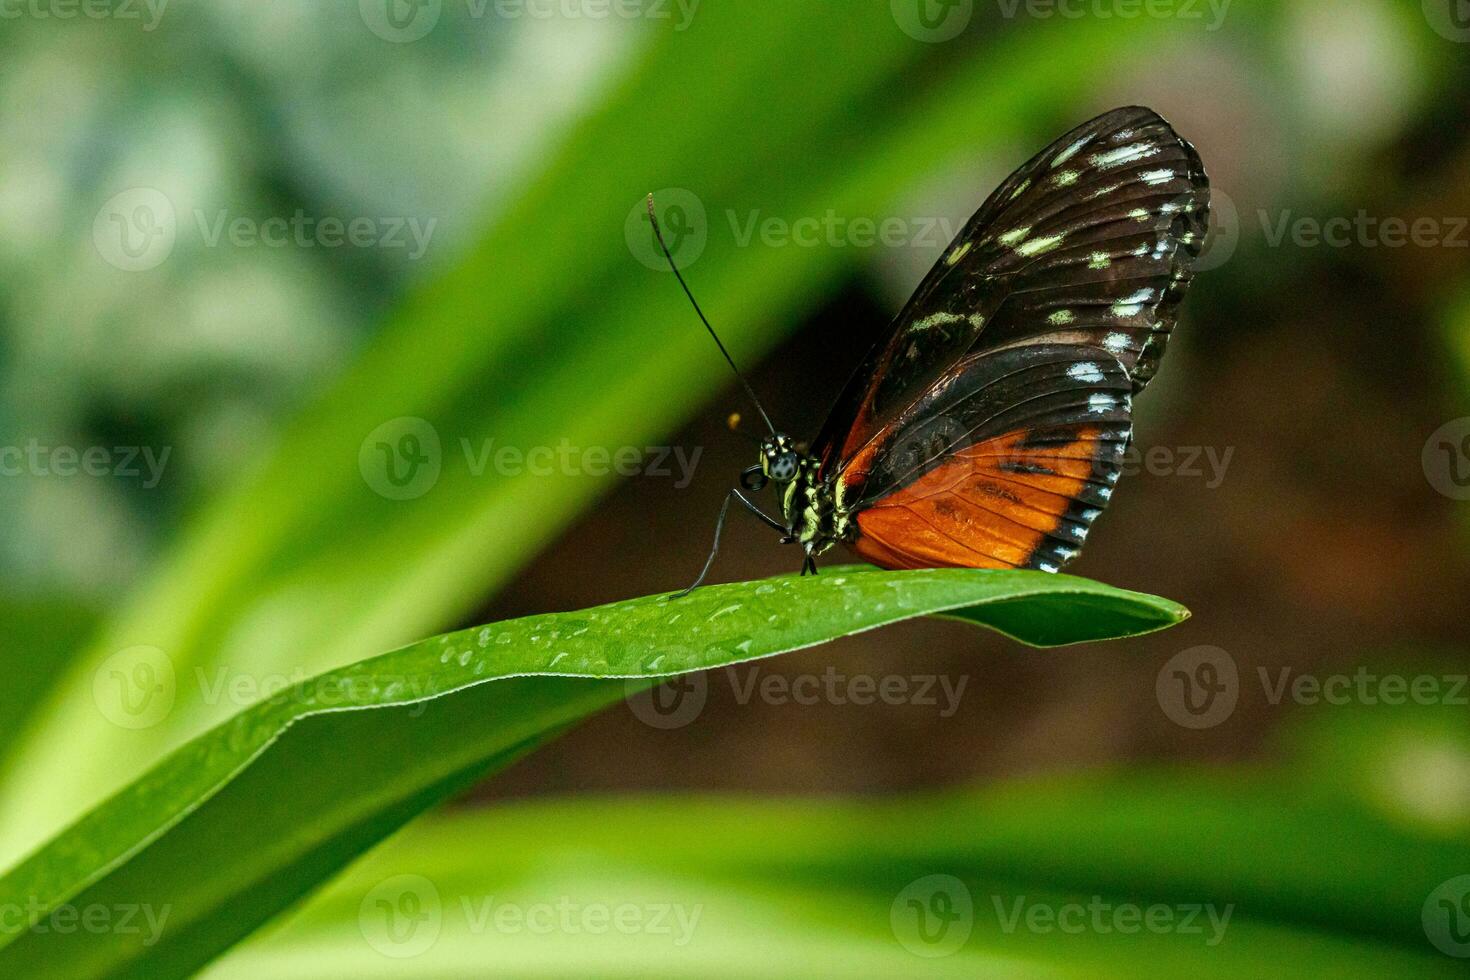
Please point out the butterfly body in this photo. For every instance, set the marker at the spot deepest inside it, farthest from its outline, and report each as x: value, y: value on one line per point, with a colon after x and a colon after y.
x: 987, y: 428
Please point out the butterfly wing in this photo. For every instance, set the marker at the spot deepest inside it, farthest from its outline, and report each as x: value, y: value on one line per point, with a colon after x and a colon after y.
x: 1002, y: 464
x: 1090, y: 243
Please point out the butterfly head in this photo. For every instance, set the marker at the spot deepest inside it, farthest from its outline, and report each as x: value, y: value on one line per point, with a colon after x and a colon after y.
x: 779, y: 460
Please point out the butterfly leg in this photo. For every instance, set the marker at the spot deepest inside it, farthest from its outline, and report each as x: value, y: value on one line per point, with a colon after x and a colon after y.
x: 808, y: 564
x: 720, y: 527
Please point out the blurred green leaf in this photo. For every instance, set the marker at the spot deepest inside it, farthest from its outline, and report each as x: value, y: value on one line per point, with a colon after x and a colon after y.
x: 801, y: 888
x: 242, y: 821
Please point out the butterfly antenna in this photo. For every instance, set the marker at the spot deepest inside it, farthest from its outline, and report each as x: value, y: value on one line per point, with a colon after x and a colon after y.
x: 658, y: 234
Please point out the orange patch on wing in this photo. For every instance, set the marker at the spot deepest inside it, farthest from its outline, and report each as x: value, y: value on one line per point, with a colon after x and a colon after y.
x: 973, y: 512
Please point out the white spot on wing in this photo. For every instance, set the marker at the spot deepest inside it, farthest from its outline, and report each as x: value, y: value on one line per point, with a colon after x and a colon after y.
x: 1099, y: 260
x: 1039, y: 246
x: 1157, y: 176
x: 1062, y: 317
x: 935, y: 320
x: 1124, y: 154
x: 1014, y: 235
x: 1085, y: 371
x: 1070, y: 151
x: 1132, y: 305
x: 958, y: 253
x: 1117, y: 343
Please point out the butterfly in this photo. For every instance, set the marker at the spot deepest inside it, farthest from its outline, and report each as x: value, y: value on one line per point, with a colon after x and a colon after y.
x: 987, y: 430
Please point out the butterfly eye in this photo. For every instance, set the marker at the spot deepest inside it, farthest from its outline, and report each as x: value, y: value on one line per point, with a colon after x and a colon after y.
x: 783, y: 467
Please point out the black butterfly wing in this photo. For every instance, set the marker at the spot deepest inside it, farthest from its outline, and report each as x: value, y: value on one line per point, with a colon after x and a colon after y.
x: 1091, y: 242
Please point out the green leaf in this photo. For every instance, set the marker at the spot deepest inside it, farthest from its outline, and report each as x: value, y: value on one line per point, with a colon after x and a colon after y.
x: 1315, y: 887
x: 242, y: 821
